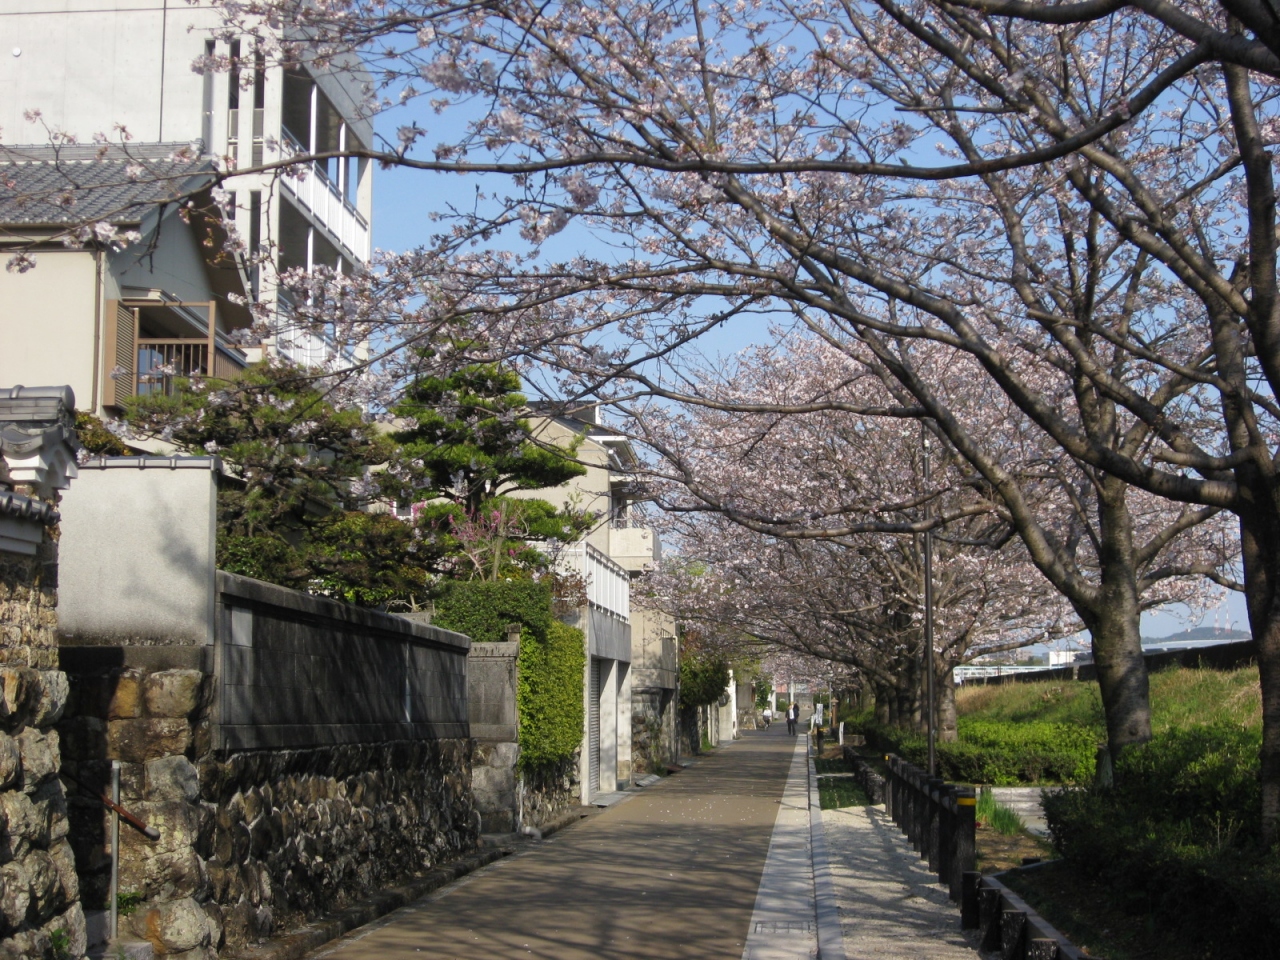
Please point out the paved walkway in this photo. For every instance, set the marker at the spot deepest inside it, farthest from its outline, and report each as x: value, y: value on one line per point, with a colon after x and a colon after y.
x: 711, y: 864
x: 670, y: 873
x: 891, y: 906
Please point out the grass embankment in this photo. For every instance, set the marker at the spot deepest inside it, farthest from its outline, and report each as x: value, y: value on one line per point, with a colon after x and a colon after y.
x: 1167, y: 863
x: 1179, y: 699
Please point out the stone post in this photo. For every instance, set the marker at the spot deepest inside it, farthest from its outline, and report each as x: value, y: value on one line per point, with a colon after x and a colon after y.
x: 494, y: 716
x: 40, y: 913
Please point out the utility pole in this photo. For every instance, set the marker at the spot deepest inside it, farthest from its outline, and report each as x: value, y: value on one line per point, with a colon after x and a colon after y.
x: 930, y: 697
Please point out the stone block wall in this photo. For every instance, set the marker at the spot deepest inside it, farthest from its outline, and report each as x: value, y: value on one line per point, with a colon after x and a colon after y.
x: 39, y: 891
x: 252, y: 842
x: 653, y: 733
x: 548, y: 792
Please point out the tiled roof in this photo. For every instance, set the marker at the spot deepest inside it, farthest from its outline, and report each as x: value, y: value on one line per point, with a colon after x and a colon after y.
x: 25, y: 508
x: 85, y: 183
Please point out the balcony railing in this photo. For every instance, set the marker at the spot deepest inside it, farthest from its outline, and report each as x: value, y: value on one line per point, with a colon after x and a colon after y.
x: 161, y: 362
x: 608, y: 586
x: 320, y: 195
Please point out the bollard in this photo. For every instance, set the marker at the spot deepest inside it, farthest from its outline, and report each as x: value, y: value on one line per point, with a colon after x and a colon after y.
x: 946, y: 842
x: 989, y: 918
x: 1013, y: 930
x: 936, y: 786
x: 970, y: 881
x: 1042, y: 948
x: 965, y: 855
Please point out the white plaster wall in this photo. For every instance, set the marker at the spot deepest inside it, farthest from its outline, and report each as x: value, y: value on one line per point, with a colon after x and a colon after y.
x: 47, y: 321
x: 136, y: 558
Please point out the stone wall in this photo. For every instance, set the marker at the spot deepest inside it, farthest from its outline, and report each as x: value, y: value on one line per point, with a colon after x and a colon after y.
x: 39, y: 890
x: 253, y: 842
x: 547, y: 793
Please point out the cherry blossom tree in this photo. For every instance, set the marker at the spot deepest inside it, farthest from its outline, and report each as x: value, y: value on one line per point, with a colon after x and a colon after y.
x: 858, y: 483
x: 1081, y: 213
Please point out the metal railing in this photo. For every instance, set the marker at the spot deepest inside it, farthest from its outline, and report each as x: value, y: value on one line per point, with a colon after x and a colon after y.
x: 608, y: 585
x: 937, y: 817
x: 321, y: 196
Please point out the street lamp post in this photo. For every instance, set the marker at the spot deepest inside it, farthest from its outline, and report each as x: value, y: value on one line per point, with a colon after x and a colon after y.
x: 930, y: 697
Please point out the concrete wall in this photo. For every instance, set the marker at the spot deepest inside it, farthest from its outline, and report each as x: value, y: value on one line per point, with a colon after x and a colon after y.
x: 138, y: 552
x: 91, y: 64
x: 493, y: 712
x: 654, y: 673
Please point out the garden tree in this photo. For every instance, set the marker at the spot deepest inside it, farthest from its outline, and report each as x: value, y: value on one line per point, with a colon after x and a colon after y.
x: 467, y: 442
x: 763, y: 153
x: 464, y: 448
x: 290, y: 510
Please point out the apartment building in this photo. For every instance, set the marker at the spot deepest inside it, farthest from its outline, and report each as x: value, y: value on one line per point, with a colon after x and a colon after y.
x: 117, y: 322
x: 632, y: 669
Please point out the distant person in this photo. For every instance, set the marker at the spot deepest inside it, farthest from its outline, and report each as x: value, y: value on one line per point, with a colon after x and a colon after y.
x: 793, y: 715
x: 768, y: 716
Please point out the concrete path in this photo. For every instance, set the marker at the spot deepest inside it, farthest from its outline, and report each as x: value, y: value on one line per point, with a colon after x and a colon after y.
x: 891, y: 906
x: 671, y: 872
x: 1025, y: 802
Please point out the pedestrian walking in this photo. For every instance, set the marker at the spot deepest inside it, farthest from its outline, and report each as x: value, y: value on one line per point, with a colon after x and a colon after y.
x: 793, y: 715
x: 768, y: 716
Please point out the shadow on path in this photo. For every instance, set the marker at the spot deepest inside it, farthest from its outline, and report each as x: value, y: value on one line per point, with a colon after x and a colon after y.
x: 671, y: 873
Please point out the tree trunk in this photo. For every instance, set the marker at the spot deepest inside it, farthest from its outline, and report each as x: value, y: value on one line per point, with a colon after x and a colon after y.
x: 948, y: 719
x: 1114, y: 623
x: 1260, y: 553
x: 883, y: 704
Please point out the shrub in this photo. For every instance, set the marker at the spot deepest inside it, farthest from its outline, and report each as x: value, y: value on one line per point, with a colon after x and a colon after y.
x: 1177, y: 838
x: 702, y: 680
x: 482, y: 609
x: 551, y: 663
x: 996, y: 752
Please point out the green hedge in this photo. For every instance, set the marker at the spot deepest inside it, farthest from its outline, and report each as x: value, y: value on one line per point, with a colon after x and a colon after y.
x: 482, y: 609
x: 995, y: 752
x: 552, y: 659
x: 1177, y: 838
x: 702, y: 680
x: 550, y: 694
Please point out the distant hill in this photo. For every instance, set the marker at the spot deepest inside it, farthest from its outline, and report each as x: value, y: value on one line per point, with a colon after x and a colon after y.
x: 1202, y: 633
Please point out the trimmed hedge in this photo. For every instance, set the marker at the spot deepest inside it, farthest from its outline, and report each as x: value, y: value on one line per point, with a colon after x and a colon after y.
x: 995, y: 752
x: 551, y: 665
x: 1177, y: 839
x: 550, y: 694
x: 482, y: 609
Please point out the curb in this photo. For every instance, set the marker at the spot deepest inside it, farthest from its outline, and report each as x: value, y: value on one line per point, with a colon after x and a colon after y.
x: 296, y: 945
x: 826, y: 911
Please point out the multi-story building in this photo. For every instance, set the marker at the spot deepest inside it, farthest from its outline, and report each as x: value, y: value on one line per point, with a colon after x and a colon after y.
x: 111, y: 317
x: 632, y: 671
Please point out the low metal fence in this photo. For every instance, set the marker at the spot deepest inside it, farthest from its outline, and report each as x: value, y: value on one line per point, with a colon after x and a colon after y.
x: 937, y: 817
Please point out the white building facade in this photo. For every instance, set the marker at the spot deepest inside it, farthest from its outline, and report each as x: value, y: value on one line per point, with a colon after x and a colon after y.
x: 127, y: 69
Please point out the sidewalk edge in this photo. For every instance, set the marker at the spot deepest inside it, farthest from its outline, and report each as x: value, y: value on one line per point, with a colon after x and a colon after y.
x: 826, y: 911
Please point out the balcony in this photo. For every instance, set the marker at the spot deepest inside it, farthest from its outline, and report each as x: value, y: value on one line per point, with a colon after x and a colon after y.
x: 635, y: 547
x: 162, y: 361
x: 320, y: 196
